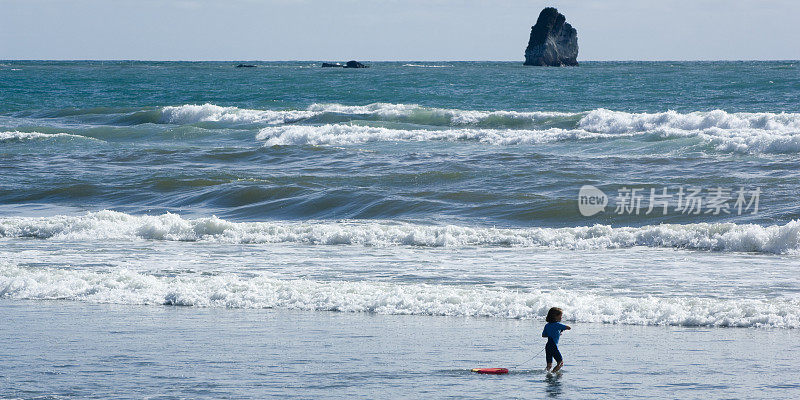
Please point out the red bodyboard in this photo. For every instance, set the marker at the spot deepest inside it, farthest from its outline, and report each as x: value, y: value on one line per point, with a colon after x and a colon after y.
x: 491, y: 371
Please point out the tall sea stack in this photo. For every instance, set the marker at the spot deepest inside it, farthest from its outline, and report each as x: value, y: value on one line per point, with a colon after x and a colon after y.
x: 553, y: 41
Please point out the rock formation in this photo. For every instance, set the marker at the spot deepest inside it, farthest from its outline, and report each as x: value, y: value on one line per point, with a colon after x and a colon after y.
x: 553, y: 41
x: 350, y: 64
x: 355, y: 64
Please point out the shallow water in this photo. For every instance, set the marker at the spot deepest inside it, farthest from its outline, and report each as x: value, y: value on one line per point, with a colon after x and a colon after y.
x: 176, y: 352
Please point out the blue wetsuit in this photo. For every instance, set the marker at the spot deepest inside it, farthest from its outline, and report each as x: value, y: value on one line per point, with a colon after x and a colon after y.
x: 552, y: 331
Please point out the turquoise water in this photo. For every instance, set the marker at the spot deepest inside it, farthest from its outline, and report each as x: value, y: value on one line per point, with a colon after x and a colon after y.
x: 468, y: 143
x: 427, y: 189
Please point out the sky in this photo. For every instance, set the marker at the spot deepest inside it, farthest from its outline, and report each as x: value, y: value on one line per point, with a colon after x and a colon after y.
x: 376, y: 30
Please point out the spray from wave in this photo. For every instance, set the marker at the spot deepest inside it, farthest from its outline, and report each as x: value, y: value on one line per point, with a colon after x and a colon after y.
x: 111, y: 225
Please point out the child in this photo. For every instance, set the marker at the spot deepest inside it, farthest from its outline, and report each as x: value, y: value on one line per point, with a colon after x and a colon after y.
x: 552, y: 331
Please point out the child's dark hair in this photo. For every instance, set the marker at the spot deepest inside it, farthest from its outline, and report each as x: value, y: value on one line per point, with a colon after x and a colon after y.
x: 553, y: 314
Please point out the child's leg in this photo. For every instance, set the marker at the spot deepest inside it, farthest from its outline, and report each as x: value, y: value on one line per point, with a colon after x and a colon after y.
x: 548, y: 354
x: 559, y: 360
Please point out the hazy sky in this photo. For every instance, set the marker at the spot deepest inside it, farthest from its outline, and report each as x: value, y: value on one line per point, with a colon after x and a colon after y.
x: 392, y: 29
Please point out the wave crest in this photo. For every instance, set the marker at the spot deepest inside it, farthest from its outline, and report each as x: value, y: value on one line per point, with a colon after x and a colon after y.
x: 112, y: 225
x: 123, y: 286
x: 192, y: 113
x: 748, y: 133
x: 427, y: 65
x: 439, y: 116
x: 341, y: 134
x: 339, y: 124
x: 17, y: 136
x: 618, y: 122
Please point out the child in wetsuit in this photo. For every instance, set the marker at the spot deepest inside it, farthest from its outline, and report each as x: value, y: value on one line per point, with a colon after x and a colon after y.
x: 552, y: 331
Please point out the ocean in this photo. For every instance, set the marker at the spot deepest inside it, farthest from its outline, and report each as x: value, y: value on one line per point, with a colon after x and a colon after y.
x: 195, y: 230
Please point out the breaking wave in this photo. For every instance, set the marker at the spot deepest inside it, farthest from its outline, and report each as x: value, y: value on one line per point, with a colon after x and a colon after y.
x: 723, y: 132
x: 441, y: 116
x: 122, y: 286
x: 607, y: 121
x: 598, y: 120
x: 427, y: 66
x: 726, y: 132
x: 340, y: 134
x: 740, y: 141
x: 191, y: 113
x: 16, y: 136
x: 112, y: 225
x: 339, y: 124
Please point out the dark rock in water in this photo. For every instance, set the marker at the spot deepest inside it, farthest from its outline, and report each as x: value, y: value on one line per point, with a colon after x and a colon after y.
x: 350, y: 64
x: 245, y: 66
x: 553, y: 41
x: 355, y: 64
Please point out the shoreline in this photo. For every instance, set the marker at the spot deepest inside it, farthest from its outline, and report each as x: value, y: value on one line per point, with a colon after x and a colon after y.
x: 73, y: 349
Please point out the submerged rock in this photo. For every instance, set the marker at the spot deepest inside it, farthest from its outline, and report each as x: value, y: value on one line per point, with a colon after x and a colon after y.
x: 245, y: 66
x: 332, y: 65
x: 553, y: 42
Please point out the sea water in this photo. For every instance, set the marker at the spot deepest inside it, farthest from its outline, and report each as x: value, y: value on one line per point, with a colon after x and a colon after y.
x: 406, y: 198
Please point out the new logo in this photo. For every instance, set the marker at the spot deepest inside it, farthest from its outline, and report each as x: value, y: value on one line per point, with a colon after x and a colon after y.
x: 591, y: 200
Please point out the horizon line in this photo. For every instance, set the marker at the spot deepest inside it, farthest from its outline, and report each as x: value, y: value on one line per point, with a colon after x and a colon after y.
x: 385, y: 61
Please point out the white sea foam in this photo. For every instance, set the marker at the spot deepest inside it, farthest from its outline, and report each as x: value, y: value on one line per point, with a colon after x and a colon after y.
x: 427, y: 66
x: 752, y: 141
x: 725, y: 132
x: 454, y: 116
x: 22, y: 136
x: 738, y: 141
x: 123, y: 286
x: 607, y: 121
x: 111, y: 225
x: 598, y: 120
x: 343, y: 134
x: 192, y: 113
